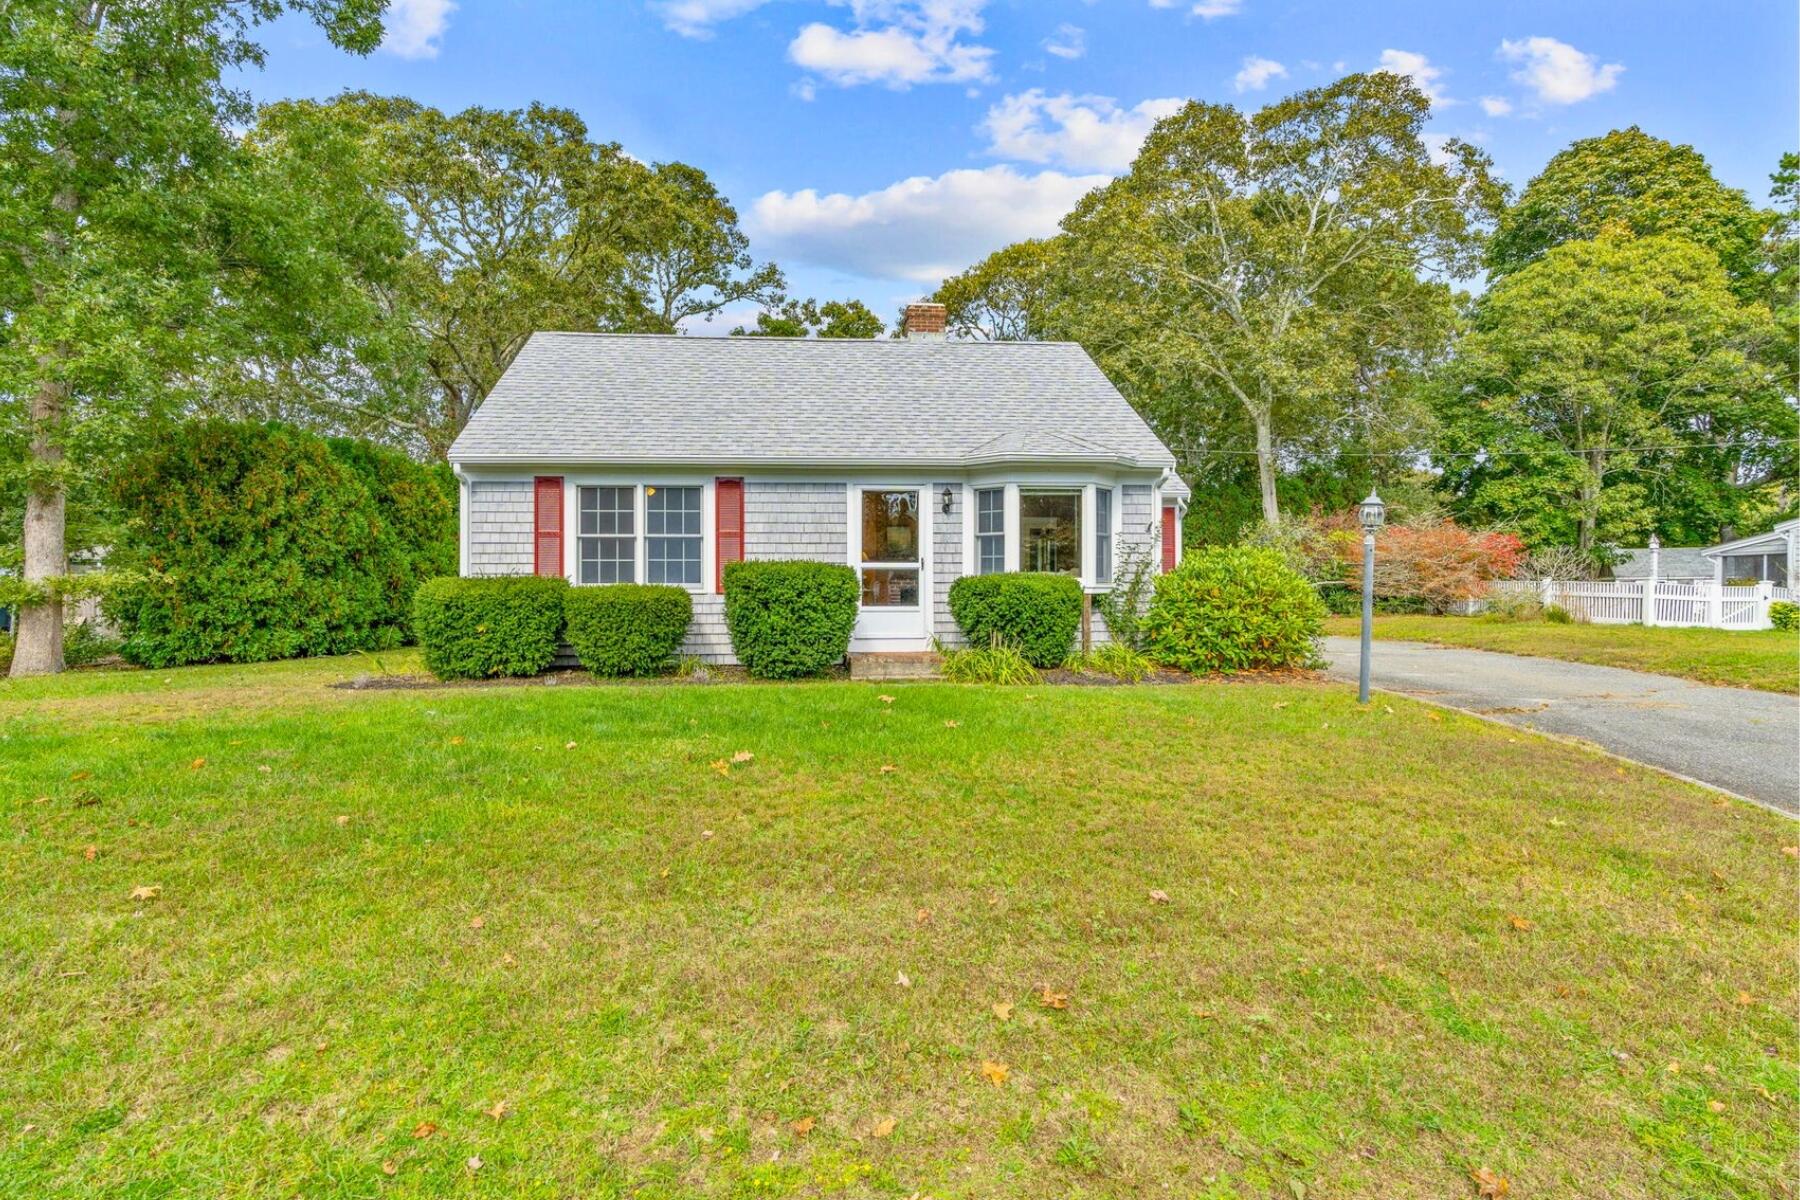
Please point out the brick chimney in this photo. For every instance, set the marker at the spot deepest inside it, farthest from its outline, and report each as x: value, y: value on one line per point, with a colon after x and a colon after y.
x: 924, y: 322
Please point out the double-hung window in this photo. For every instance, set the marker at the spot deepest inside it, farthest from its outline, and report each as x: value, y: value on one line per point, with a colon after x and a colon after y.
x: 672, y: 535
x: 1103, y: 536
x: 1050, y: 530
x: 606, y: 542
x: 990, y: 531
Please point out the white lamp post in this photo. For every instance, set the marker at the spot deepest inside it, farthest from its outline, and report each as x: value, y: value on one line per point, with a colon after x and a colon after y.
x: 1372, y: 513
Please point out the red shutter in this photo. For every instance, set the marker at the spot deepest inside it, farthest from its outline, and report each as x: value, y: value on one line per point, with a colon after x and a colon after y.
x: 728, y: 521
x: 547, y: 525
x: 1170, y: 534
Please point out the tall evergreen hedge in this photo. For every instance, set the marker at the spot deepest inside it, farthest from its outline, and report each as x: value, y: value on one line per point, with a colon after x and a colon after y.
x: 257, y: 542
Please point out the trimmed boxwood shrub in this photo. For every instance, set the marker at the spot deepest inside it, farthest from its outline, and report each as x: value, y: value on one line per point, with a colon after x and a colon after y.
x: 1234, y: 608
x: 1784, y: 614
x: 627, y: 628
x: 481, y: 628
x: 789, y: 619
x: 1035, y: 612
x: 246, y: 543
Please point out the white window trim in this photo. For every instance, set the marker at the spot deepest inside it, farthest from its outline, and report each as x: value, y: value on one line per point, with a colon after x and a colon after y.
x: 638, y: 482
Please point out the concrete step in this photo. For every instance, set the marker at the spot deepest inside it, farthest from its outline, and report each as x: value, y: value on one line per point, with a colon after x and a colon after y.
x: 919, y: 664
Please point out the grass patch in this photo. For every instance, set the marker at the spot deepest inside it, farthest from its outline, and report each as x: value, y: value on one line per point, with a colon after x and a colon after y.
x: 629, y: 941
x: 1768, y: 660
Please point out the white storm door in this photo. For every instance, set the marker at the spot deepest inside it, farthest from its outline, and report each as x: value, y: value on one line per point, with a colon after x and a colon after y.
x: 890, y: 567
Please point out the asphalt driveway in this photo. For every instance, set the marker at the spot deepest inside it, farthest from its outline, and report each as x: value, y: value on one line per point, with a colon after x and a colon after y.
x: 1743, y: 741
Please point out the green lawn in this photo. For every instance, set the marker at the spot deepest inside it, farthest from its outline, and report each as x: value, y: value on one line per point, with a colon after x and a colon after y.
x: 1766, y: 659
x: 555, y: 942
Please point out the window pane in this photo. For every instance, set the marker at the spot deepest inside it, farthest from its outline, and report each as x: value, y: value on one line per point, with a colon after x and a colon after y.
x: 606, y: 511
x: 606, y: 551
x: 990, y: 510
x: 672, y: 510
x: 1103, y: 534
x: 890, y: 527
x: 673, y: 560
x: 991, y: 548
x: 890, y: 587
x: 1050, y: 532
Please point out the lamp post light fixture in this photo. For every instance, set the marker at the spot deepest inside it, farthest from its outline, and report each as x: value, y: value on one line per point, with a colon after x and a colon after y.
x: 949, y: 501
x: 1372, y: 513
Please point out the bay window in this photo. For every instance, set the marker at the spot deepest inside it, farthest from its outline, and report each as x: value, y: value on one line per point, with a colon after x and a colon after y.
x: 990, y: 531
x: 1050, y: 530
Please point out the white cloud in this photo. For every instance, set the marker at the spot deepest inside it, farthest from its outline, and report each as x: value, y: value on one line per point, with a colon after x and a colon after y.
x: 1417, y: 68
x: 1557, y: 71
x: 897, y: 42
x: 1069, y: 41
x: 695, y: 18
x: 1205, y: 9
x: 918, y: 230
x: 1256, y: 72
x: 1496, y: 106
x: 1083, y: 132
x: 414, y: 27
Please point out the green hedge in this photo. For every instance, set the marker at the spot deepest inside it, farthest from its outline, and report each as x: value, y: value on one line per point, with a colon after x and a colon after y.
x: 1784, y: 614
x: 1234, y: 608
x: 481, y: 628
x: 253, y: 542
x: 1035, y: 612
x: 627, y: 628
x: 789, y: 619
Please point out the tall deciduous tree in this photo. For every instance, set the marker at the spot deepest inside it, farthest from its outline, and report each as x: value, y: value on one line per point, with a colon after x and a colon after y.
x: 1007, y: 296
x: 129, y: 248
x: 1643, y: 184
x: 789, y: 317
x: 687, y: 256
x: 1612, y: 389
x: 1276, y: 261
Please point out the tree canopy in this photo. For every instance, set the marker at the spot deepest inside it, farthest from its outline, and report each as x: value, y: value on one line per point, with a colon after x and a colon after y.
x: 788, y: 317
x: 1276, y: 262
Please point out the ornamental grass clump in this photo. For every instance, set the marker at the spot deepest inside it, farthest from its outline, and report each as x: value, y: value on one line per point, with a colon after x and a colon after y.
x: 1234, y: 608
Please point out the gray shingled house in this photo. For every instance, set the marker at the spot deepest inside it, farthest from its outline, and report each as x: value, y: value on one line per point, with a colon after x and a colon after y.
x: 609, y: 458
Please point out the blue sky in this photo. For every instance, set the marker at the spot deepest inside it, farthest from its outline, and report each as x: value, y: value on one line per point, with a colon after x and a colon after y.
x: 872, y: 145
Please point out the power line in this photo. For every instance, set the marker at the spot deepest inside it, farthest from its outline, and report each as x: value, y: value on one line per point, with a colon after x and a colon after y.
x: 1441, y: 454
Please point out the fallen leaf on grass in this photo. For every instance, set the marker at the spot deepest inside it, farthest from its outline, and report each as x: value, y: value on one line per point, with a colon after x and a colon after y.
x: 423, y: 1130
x: 1435, y: 716
x: 995, y: 1073
x: 951, y: 724
x: 706, y: 833
x: 78, y: 776
x: 803, y: 1126
x: 901, y: 979
x: 742, y: 756
x: 1050, y: 999
x: 568, y: 745
x: 477, y: 922
x: 1488, y: 1185
x: 1158, y: 896
x: 884, y: 1127
x: 343, y: 819
x: 1791, y: 851
x: 1517, y: 922
x: 721, y: 766
x: 1674, y: 1068
x: 474, y: 1163
x: 1717, y: 1106
x: 1281, y: 704
x: 498, y: 1112
x: 1003, y: 1010
x: 457, y: 740
x: 888, y: 768
x: 507, y: 960
x: 265, y: 769
x: 922, y: 916
x: 196, y: 764
x: 885, y: 699
x: 146, y: 891
x: 1745, y: 999
x: 390, y: 1167
x: 90, y: 852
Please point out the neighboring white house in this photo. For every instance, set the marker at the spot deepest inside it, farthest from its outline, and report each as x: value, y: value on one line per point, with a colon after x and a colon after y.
x: 1772, y: 557
x: 608, y: 458
x: 1675, y: 564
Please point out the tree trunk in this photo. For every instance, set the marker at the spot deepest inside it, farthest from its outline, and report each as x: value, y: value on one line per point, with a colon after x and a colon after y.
x: 38, y: 649
x: 1265, y: 467
x: 1589, y: 517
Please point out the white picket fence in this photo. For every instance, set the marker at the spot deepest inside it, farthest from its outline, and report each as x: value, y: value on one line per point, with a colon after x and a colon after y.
x: 1705, y: 605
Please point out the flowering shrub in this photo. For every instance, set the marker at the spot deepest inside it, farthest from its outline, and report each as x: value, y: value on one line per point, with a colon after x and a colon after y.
x: 1434, y: 564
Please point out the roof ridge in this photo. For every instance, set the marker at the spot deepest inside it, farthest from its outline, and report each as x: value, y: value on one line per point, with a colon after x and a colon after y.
x: 706, y: 338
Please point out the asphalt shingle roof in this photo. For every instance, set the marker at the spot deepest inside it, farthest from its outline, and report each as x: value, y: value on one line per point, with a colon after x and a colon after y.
x: 1675, y: 562
x: 583, y: 397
